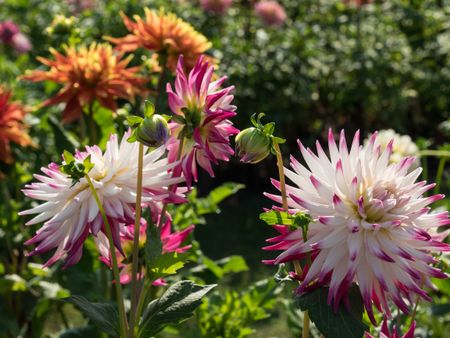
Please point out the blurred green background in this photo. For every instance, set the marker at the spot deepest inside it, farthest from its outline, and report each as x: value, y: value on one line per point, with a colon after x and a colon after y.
x: 331, y: 64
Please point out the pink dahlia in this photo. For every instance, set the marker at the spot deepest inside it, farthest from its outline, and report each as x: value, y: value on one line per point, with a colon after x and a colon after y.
x: 271, y: 12
x: 202, y: 111
x: 386, y: 334
x: 11, y: 35
x: 70, y: 212
x: 172, y: 242
x: 216, y: 6
x: 371, y: 224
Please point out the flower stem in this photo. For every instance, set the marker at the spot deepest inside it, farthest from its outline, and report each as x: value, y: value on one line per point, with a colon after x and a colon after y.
x: 436, y: 153
x: 135, y: 258
x: 298, y: 269
x: 440, y: 172
x: 119, y: 293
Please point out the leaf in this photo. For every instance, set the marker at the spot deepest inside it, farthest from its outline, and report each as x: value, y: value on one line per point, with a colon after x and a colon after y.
x: 80, y: 332
x: 174, y: 306
x: 68, y: 157
x: 273, y: 217
x: 149, y: 108
x: 340, y: 324
x: 227, y: 189
x: 103, y: 315
x: 269, y: 128
x: 166, y: 264
x: 63, y: 138
x: 234, y: 264
x: 104, y: 119
x: 153, y: 245
x: 440, y: 309
x: 134, y: 121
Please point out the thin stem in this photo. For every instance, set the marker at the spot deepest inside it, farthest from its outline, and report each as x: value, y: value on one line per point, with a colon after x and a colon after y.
x: 281, y: 176
x: 142, y: 296
x: 91, y: 124
x: 135, y: 259
x: 413, y: 316
x: 298, y: 269
x: 119, y: 293
x: 437, y: 153
x: 173, y: 186
x: 440, y: 172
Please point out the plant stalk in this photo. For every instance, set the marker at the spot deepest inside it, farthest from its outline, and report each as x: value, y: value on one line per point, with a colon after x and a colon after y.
x: 298, y: 269
x: 135, y: 257
x: 119, y: 293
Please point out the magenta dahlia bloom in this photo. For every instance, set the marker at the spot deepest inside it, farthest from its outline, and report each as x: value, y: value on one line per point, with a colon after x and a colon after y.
x: 203, y: 110
x: 70, y: 212
x: 216, y: 6
x: 11, y: 35
x: 386, y: 334
x: 371, y: 224
x: 271, y: 12
x: 172, y: 242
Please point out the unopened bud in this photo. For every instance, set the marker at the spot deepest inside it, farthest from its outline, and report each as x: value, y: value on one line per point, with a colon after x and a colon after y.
x: 153, y: 131
x: 252, y: 145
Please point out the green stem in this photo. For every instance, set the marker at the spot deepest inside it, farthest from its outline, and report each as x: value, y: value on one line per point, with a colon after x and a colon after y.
x: 436, y: 153
x: 92, y: 128
x: 298, y: 269
x: 135, y: 259
x: 440, y: 172
x: 119, y: 293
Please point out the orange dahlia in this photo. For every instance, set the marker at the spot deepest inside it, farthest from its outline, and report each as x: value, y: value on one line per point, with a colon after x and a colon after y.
x: 163, y: 32
x: 12, y: 128
x: 87, y: 74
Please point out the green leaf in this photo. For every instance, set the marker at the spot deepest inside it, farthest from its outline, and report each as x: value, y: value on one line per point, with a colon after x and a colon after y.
x: 178, y: 119
x: 174, y: 306
x: 234, y: 264
x: 153, y: 244
x: 149, y: 108
x: 225, y: 190
x: 68, y: 157
x: 340, y: 324
x: 63, y: 138
x: 134, y: 121
x: 273, y: 217
x: 103, y: 315
x: 165, y: 265
x: 269, y: 128
x: 104, y: 119
x: 80, y: 332
x: 132, y: 138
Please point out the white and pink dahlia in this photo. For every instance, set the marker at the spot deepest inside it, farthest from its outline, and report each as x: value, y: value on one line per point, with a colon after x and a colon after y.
x: 203, y: 110
x: 371, y: 224
x: 70, y: 212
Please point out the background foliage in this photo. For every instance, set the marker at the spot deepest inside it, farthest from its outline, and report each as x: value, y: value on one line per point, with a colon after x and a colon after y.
x: 379, y: 66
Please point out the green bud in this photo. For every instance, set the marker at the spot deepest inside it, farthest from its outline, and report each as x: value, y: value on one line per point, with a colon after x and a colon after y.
x: 253, y: 145
x: 153, y: 131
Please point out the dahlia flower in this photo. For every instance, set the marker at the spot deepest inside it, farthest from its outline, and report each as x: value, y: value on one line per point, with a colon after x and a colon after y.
x: 386, y: 334
x: 70, y: 211
x: 12, y: 128
x: 172, y: 242
x: 271, y: 12
x: 371, y: 224
x: 216, y: 6
x: 11, y: 35
x: 88, y: 74
x: 403, y: 145
x: 163, y: 33
x: 205, y: 109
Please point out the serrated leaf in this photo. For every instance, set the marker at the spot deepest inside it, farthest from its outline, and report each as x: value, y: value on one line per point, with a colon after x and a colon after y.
x: 174, y: 306
x: 166, y: 264
x: 340, y: 324
x: 273, y: 217
x: 103, y: 315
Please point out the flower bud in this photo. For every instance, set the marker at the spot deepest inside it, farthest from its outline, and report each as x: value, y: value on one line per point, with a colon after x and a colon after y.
x: 153, y: 131
x: 252, y: 145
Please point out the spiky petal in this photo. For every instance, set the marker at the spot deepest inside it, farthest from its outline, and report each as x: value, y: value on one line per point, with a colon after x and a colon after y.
x: 12, y: 128
x: 207, y: 109
x: 88, y: 74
